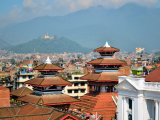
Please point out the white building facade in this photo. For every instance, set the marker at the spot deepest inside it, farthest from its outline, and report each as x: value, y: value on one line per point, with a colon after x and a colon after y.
x: 137, y: 99
x: 79, y: 87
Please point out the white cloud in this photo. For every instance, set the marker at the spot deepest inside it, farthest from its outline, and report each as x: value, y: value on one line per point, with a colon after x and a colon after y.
x: 35, y: 8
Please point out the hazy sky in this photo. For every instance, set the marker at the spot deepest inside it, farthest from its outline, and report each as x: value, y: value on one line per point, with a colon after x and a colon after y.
x: 14, y: 11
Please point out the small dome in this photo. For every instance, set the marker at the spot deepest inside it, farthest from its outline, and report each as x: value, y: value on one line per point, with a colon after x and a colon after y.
x: 48, y: 61
x: 106, y: 45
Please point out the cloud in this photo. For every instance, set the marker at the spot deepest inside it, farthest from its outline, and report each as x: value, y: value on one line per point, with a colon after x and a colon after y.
x: 36, y: 8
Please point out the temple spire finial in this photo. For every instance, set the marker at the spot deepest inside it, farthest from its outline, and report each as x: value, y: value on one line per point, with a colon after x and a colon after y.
x: 48, y: 61
x: 106, y: 45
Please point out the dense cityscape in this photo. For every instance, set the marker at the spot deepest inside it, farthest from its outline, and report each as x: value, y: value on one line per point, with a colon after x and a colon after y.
x: 79, y: 60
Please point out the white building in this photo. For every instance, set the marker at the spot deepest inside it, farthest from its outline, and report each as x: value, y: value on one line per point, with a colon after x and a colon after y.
x: 139, y: 97
x: 23, y: 76
x: 78, y: 88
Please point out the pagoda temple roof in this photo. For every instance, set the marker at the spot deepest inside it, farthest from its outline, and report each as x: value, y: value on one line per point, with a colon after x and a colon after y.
x: 102, y: 77
x: 48, y: 67
x: 106, y: 61
x: 106, y: 49
x: 48, y: 81
x: 50, y: 99
x: 21, y: 92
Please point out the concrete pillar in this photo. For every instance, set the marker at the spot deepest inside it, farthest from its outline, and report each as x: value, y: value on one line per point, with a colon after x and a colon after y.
x: 88, y: 89
x: 92, y: 87
x: 132, y: 109
x: 123, y: 114
x: 156, y: 110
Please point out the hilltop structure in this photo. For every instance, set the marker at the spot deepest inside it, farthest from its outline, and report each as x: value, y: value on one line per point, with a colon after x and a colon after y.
x: 102, y: 94
x: 47, y: 37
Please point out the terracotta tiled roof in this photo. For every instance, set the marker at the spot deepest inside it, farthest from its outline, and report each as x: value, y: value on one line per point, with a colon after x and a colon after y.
x: 48, y: 81
x: 21, y: 92
x: 33, y: 112
x: 48, y: 67
x: 54, y: 99
x: 8, y: 111
x: 154, y: 76
x: 32, y: 109
x: 107, y: 61
x: 102, y: 77
x: 30, y: 98
x: 109, y: 49
x: 58, y: 99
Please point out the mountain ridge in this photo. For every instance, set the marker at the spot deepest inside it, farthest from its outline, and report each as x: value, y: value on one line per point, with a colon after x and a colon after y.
x: 138, y: 25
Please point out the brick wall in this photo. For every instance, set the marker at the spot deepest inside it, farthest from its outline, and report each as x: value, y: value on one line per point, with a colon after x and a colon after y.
x: 4, y: 97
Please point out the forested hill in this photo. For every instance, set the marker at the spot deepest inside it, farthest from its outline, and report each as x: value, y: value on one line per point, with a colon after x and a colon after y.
x: 56, y: 45
x: 3, y: 44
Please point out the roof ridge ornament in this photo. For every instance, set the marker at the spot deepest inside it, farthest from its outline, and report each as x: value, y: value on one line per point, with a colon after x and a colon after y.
x: 48, y: 61
x: 107, y: 45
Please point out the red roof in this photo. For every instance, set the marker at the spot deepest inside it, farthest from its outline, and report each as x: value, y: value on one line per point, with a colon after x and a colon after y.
x: 48, y: 67
x: 33, y: 112
x: 154, y: 76
x: 102, y: 77
x: 21, y: 92
x: 107, y: 61
x: 105, y: 49
x: 50, y: 99
x: 48, y: 81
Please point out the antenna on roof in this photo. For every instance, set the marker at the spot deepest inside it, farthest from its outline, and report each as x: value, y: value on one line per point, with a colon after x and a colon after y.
x: 106, y: 45
x: 48, y: 61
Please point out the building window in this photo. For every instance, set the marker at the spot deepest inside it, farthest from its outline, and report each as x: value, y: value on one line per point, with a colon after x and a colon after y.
x: 82, y: 84
x: 30, y: 76
x: 69, y: 91
x: 75, y: 84
x: 24, y: 77
x: 24, y: 85
x: 83, y: 91
x: 75, y: 91
x: 130, y: 104
x: 76, y: 78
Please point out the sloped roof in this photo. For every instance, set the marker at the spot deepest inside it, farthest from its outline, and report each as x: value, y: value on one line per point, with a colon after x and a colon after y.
x: 154, y: 76
x: 48, y: 81
x: 21, y: 92
x: 105, y: 49
x: 107, y: 61
x: 48, y: 67
x: 49, y: 99
x: 33, y: 112
x: 102, y: 77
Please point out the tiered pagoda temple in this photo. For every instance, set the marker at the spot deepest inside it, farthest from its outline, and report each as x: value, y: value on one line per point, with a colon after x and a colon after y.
x: 101, y: 84
x: 48, y: 88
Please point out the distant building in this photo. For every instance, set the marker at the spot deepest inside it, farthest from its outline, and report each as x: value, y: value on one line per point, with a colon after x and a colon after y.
x: 47, y: 37
x: 140, y: 50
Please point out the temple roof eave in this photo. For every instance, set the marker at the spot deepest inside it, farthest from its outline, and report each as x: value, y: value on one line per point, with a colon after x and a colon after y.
x: 47, y: 85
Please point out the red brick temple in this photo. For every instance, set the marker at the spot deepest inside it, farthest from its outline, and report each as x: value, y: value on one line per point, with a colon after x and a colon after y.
x: 48, y: 88
x: 101, y: 84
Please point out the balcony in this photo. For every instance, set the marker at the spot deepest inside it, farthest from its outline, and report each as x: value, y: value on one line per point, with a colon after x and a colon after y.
x: 27, y: 73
